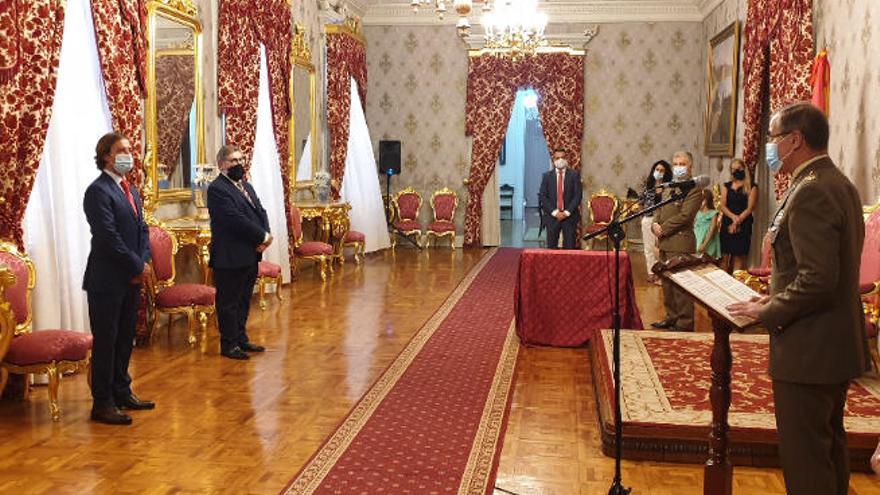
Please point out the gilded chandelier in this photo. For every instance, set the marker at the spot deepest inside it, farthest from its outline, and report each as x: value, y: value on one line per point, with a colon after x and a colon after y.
x: 513, y: 28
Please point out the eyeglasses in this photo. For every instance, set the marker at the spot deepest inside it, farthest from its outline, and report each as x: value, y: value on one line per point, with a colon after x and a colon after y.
x: 775, y: 138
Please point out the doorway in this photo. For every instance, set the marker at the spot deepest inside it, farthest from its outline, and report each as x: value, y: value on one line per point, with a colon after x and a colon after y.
x: 524, y: 158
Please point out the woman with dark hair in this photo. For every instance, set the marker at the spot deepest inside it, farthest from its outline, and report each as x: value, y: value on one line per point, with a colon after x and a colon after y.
x: 660, y: 172
x: 739, y: 197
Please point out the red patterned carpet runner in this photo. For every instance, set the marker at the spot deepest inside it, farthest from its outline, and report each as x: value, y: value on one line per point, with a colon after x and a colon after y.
x: 666, y: 376
x: 433, y: 422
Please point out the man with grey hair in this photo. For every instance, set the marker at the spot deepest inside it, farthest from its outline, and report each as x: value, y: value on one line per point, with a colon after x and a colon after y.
x: 239, y: 235
x: 674, y: 228
x: 814, y: 312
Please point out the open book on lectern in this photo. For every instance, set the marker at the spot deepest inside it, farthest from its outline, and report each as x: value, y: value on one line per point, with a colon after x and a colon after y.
x: 712, y: 287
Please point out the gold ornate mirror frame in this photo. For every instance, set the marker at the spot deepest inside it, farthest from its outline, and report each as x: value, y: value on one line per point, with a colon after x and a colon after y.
x: 301, y: 56
x: 182, y: 12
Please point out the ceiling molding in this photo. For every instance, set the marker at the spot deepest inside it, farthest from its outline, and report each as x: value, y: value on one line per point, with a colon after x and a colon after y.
x: 562, y: 12
x: 707, y: 6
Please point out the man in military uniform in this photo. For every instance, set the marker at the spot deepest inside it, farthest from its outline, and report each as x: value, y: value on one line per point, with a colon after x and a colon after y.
x: 674, y: 228
x: 813, y: 313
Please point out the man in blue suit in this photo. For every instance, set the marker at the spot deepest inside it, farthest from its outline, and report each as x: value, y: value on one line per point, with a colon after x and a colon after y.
x: 115, y: 270
x: 239, y: 235
x: 560, y: 199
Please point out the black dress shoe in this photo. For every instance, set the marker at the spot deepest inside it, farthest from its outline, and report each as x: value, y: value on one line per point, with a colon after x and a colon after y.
x: 248, y: 347
x: 667, y: 323
x: 132, y: 402
x: 110, y: 416
x: 235, y: 353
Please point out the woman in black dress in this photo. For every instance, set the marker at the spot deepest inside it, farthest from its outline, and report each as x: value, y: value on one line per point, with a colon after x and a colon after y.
x: 738, y: 200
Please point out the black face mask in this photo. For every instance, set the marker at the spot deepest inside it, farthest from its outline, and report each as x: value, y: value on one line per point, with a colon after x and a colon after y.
x: 739, y: 175
x: 235, y: 173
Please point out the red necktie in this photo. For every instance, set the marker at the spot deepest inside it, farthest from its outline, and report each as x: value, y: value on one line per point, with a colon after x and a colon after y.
x: 560, y: 191
x: 127, y: 189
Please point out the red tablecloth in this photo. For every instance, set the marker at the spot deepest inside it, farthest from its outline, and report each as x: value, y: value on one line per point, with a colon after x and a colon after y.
x: 562, y: 297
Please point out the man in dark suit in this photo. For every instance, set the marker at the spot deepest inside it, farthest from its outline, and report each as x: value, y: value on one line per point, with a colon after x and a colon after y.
x: 560, y: 198
x: 117, y: 264
x: 674, y: 228
x: 813, y: 313
x: 239, y: 235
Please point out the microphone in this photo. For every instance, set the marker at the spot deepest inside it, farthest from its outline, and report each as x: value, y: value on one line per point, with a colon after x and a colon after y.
x: 700, y: 182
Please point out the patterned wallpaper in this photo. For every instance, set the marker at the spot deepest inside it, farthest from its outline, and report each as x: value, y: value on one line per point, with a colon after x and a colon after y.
x: 641, y: 103
x: 848, y: 29
x: 416, y: 94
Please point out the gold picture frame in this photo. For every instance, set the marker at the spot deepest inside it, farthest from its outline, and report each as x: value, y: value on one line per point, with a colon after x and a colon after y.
x: 722, y: 88
x: 182, y: 14
x: 301, y: 64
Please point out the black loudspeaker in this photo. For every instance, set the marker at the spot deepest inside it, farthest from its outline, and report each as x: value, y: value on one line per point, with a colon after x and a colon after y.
x: 389, y: 157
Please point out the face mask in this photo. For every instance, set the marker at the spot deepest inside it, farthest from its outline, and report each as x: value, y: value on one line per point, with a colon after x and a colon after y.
x: 123, y: 164
x: 658, y: 175
x: 739, y: 174
x: 679, y: 172
x: 560, y: 163
x: 235, y: 173
x: 772, y: 155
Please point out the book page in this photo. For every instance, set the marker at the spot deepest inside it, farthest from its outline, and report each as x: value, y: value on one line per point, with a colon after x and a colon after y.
x: 716, y: 289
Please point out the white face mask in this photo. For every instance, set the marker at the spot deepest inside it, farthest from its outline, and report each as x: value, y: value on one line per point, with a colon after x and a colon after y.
x: 123, y: 164
x: 679, y: 172
x: 658, y: 175
x: 560, y: 163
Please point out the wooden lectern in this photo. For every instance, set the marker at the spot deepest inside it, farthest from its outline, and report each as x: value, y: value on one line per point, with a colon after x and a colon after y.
x: 715, y: 289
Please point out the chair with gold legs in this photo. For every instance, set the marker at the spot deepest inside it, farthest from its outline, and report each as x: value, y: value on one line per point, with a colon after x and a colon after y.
x: 358, y: 241
x: 443, y: 202
x: 319, y: 252
x: 196, y: 301
x: 269, y: 273
x: 49, y: 352
x: 602, y: 205
x: 407, y: 204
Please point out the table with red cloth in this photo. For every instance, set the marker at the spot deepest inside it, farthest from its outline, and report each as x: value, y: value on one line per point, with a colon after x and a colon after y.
x: 564, y: 296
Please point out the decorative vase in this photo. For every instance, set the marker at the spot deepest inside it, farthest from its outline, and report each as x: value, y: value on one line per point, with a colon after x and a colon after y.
x: 323, y: 194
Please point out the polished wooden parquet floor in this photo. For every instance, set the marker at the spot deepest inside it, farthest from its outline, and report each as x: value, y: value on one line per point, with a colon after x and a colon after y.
x: 223, y: 426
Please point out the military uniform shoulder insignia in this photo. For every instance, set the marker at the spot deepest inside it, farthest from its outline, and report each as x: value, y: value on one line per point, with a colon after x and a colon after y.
x: 811, y: 176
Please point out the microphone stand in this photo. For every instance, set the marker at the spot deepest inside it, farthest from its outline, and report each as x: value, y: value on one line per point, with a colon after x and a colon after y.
x: 617, y: 235
x: 389, y: 217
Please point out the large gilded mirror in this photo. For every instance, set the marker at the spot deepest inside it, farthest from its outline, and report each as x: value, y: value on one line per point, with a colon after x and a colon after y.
x: 303, y: 130
x: 174, y: 113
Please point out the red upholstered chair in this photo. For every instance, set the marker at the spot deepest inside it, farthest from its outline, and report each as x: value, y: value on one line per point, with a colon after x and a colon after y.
x: 196, y: 301
x: 602, y: 205
x: 443, y: 202
x: 269, y: 273
x: 869, y: 278
x: 758, y: 277
x: 407, y: 204
x: 358, y: 241
x: 319, y: 252
x: 50, y: 352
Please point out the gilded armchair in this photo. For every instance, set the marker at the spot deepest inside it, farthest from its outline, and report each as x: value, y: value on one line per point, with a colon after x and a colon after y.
x: 50, y: 352
x: 443, y: 203
x: 602, y: 206
x: 268, y: 273
x: 319, y: 252
x: 407, y: 204
x: 196, y: 301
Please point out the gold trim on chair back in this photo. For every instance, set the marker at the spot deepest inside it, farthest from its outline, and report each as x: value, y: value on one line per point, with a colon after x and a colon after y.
x: 447, y: 192
x: 7, y: 317
x: 602, y: 193
x: 296, y: 222
x: 24, y: 326
x: 154, y: 284
x: 408, y: 190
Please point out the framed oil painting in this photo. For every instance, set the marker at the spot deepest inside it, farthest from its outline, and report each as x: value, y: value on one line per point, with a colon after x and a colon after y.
x: 721, y: 92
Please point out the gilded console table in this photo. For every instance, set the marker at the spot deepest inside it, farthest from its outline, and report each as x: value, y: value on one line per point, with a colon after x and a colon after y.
x: 332, y: 220
x: 194, y: 232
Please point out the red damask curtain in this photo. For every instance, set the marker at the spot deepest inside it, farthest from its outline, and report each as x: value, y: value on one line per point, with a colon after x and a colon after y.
x: 492, y: 84
x: 346, y: 58
x: 174, y: 100
x: 778, y: 41
x: 30, y: 46
x: 120, y: 30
